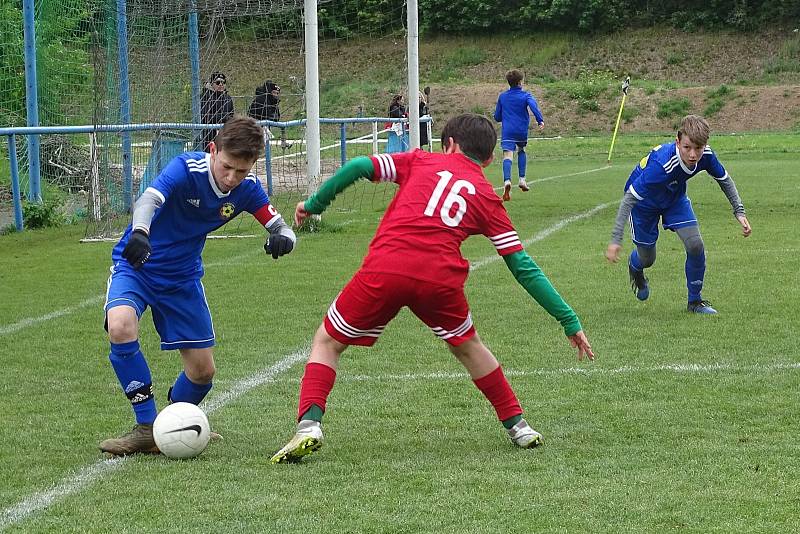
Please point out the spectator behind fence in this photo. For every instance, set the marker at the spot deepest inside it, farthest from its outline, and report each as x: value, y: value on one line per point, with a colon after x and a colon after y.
x: 216, y: 106
x: 397, y: 140
x: 423, y: 126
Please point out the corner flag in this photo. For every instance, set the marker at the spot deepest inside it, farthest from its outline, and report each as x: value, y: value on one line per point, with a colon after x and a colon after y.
x: 625, y: 85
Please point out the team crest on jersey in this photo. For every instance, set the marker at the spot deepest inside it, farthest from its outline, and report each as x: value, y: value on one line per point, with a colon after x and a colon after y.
x: 227, y: 210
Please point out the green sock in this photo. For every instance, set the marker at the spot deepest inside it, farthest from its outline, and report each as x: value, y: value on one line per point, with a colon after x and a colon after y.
x: 314, y: 413
x: 508, y: 423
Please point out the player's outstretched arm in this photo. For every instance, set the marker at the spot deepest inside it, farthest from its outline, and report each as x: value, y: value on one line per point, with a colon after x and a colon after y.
x: 346, y: 176
x: 625, y: 207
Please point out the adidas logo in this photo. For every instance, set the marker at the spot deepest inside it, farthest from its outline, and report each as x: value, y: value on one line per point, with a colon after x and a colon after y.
x: 194, y: 202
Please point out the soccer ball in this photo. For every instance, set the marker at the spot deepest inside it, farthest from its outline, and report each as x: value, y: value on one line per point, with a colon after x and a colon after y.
x: 181, y: 430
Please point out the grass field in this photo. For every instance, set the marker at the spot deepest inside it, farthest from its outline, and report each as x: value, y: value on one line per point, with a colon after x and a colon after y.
x: 683, y: 423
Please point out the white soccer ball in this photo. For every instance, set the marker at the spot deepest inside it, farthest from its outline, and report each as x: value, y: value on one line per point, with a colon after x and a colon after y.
x: 181, y: 430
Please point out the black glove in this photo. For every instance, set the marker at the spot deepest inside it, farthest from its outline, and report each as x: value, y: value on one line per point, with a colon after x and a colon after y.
x: 278, y: 245
x: 138, y: 249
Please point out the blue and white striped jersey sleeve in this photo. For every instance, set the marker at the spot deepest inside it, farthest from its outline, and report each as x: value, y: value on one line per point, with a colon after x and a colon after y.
x: 712, y: 165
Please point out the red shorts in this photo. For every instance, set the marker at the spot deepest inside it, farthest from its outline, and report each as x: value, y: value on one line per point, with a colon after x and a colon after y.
x: 370, y: 300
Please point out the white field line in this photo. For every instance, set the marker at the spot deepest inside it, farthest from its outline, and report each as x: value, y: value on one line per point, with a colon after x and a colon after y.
x: 91, y: 473
x: 548, y: 178
x: 546, y: 232
x: 591, y: 369
x: 88, y: 475
x: 30, y: 321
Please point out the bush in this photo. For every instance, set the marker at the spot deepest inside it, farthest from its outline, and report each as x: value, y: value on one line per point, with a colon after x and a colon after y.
x: 673, y: 107
x: 42, y: 215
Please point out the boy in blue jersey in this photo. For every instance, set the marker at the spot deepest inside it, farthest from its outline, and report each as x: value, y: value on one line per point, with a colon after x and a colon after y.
x: 157, y: 263
x: 656, y: 189
x: 512, y: 111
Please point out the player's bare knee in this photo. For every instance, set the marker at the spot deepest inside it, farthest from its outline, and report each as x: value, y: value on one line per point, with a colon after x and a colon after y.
x: 204, y: 374
x: 123, y: 326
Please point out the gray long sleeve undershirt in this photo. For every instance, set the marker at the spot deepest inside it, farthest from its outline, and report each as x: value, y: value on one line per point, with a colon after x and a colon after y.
x: 629, y: 201
x: 143, y: 211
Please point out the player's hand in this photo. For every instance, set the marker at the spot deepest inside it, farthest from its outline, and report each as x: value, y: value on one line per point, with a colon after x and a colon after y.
x: 300, y: 213
x: 580, y: 342
x: 612, y: 252
x: 541, y: 127
x: 138, y: 249
x: 279, y: 243
x: 746, y: 229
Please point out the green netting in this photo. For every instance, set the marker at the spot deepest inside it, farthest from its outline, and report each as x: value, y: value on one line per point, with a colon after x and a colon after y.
x: 251, y: 41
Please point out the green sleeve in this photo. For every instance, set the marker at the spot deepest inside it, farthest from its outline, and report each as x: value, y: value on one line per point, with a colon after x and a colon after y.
x: 531, y: 277
x: 347, y: 175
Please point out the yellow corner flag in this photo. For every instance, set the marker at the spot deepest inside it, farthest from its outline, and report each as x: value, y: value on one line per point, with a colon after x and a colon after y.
x: 625, y: 85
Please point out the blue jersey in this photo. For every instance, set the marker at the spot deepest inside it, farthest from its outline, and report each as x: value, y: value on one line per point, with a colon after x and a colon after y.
x: 659, y: 180
x: 512, y: 111
x: 192, y: 207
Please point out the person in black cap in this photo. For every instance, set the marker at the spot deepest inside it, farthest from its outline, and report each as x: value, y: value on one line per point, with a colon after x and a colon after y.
x: 216, y: 106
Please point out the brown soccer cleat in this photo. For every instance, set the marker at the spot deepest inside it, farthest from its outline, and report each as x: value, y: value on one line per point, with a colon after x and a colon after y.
x: 138, y: 440
x: 506, y: 191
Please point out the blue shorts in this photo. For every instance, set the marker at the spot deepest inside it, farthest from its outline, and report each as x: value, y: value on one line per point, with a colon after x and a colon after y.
x: 508, y: 144
x: 644, y: 221
x: 180, y: 311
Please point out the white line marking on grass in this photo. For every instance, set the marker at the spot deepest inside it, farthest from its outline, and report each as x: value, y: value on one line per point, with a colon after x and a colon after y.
x: 546, y: 232
x: 589, y: 369
x: 39, y: 501
x: 90, y: 474
x: 30, y: 321
x: 548, y: 178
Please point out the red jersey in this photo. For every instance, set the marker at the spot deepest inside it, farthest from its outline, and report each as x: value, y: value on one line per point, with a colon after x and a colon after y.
x: 443, y: 199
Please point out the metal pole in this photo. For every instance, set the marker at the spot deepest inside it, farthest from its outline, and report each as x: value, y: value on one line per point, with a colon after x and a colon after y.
x: 31, y: 101
x: 12, y: 157
x: 413, y: 74
x: 194, y: 59
x: 343, y: 142
x: 625, y: 85
x: 313, y: 169
x: 125, y: 103
x: 374, y: 138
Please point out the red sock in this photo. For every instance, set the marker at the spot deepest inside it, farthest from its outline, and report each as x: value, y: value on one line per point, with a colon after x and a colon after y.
x: 315, y: 387
x: 497, y: 389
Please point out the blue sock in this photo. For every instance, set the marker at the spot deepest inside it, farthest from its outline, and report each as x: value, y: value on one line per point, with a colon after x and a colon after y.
x: 635, y: 261
x: 695, y: 272
x: 184, y: 390
x: 506, y: 170
x: 522, y: 163
x: 134, y: 377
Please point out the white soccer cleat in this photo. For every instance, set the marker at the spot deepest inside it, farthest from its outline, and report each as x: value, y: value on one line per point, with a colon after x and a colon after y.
x: 523, y: 185
x: 506, y: 190
x: 522, y: 435
x: 306, y: 440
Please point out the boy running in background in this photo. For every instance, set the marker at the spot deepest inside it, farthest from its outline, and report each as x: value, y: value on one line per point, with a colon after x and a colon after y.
x: 512, y: 111
x: 415, y: 260
x: 656, y: 190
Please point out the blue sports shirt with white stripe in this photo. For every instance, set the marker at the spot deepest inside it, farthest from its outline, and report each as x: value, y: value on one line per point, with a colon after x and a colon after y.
x: 659, y: 180
x: 192, y: 207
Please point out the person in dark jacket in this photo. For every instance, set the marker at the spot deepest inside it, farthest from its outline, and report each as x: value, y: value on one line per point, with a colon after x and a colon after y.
x: 216, y: 106
x: 423, y: 126
x: 266, y: 105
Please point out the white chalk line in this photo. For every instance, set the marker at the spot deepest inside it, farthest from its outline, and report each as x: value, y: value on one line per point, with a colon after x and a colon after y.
x: 91, y: 473
x: 548, y: 178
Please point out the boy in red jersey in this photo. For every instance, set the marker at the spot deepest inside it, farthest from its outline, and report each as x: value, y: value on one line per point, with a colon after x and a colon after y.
x: 415, y: 260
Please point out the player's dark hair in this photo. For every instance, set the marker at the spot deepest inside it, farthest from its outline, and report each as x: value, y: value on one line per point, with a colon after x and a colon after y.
x: 475, y: 134
x: 241, y: 137
x: 514, y: 78
x: 696, y: 128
